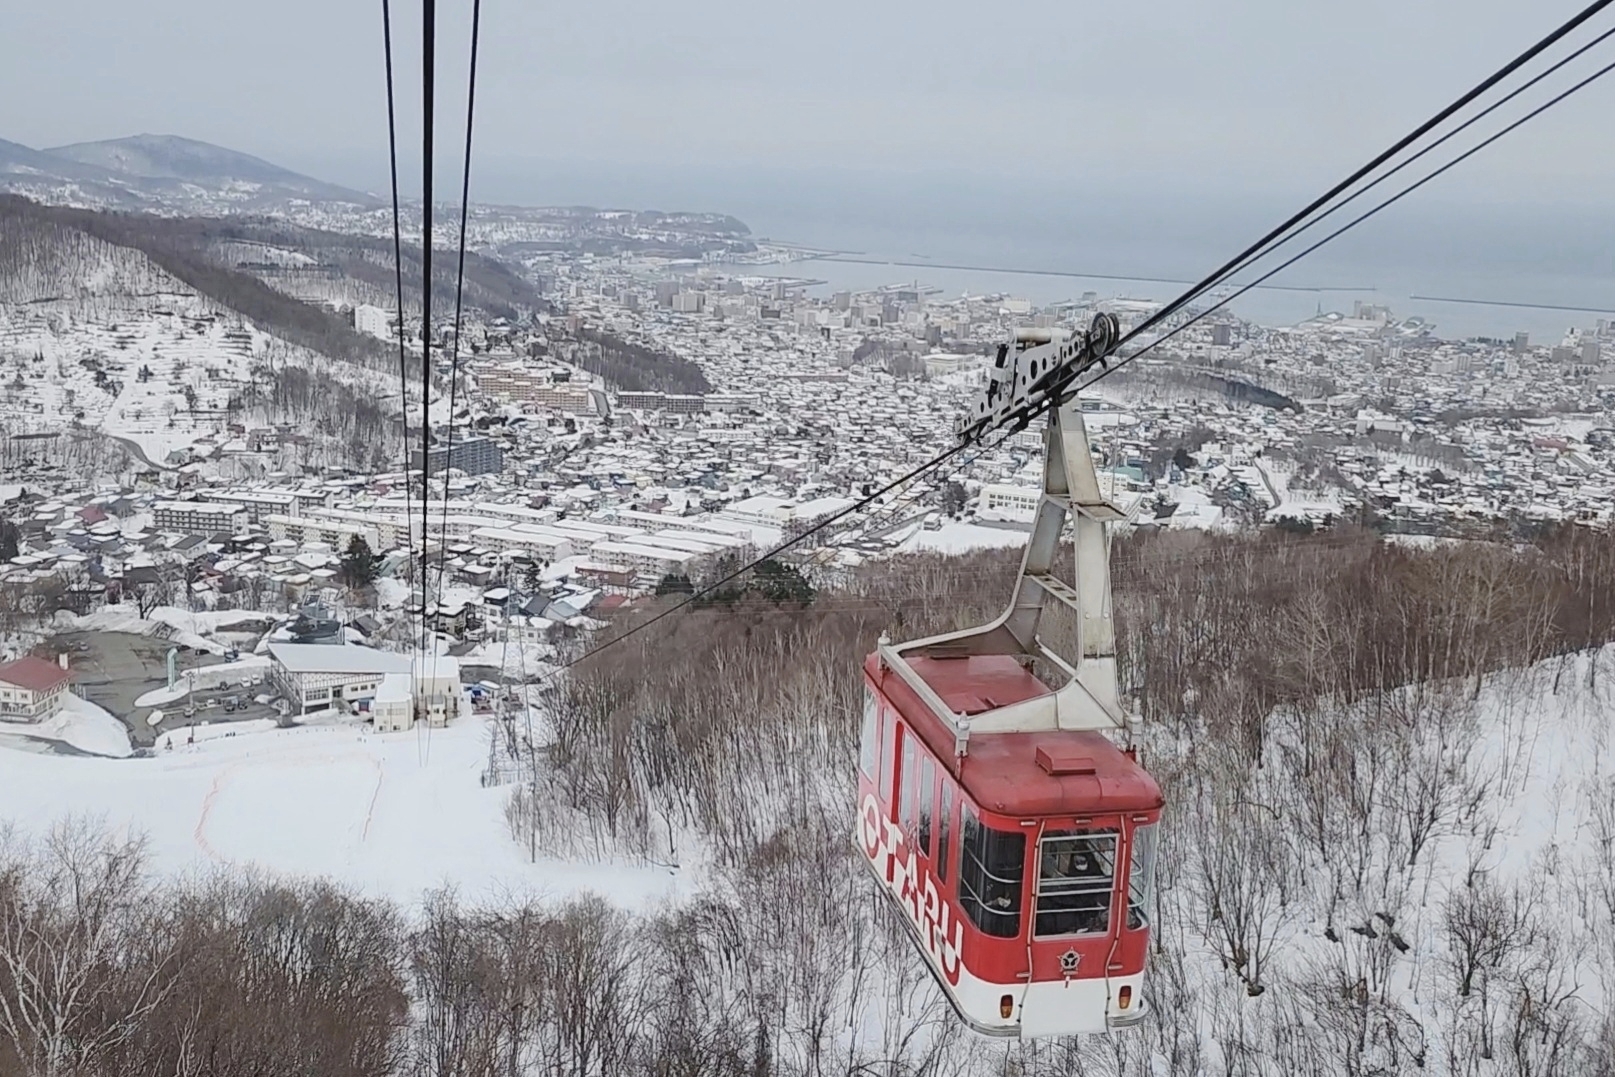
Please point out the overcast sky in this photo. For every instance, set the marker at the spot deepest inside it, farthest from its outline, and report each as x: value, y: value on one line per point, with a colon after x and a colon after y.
x: 841, y: 111
x: 1250, y: 93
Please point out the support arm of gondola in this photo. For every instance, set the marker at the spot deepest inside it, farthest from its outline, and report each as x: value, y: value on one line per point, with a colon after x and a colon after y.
x: 1035, y: 366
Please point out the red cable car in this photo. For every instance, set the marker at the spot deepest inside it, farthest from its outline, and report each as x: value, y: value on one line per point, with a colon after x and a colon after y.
x: 1016, y: 838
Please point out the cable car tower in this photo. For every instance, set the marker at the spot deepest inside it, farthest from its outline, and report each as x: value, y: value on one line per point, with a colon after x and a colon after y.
x: 1015, y: 836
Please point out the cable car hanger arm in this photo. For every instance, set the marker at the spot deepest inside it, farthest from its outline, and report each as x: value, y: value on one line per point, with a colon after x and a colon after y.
x: 1033, y: 371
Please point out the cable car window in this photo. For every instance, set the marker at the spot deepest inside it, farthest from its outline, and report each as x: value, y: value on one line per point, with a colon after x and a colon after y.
x: 944, y: 829
x: 927, y: 795
x: 1141, y: 877
x: 906, y: 816
x: 992, y: 864
x: 1077, y: 872
x: 888, y: 762
x: 869, y: 742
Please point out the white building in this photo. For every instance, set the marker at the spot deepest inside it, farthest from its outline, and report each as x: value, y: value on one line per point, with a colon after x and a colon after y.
x: 334, y: 533
x: 524, y: 538
x: 31, y: 689
x: 646, y: 560
x: 257, y: 503
x: 393, y: 707
x: 437, y: 688
x: 198, y: 517
x: 318, y: 676
x: 373, y: 320
x: 998, y: 503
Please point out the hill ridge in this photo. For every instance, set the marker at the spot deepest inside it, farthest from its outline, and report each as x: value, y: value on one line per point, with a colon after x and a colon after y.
x: 151, y: 171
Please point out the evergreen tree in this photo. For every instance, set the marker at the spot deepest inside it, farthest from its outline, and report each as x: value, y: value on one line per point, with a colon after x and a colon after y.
x: 674, y: 584
x: 8, y: 540
x: 781, y: 583
x: 360, y: 565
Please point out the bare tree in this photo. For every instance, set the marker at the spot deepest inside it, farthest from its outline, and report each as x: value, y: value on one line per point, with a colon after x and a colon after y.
x: 83, y: 958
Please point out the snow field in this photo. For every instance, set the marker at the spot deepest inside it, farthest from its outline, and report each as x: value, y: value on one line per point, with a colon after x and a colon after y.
x: 79, y: 725
x: 392, y: 815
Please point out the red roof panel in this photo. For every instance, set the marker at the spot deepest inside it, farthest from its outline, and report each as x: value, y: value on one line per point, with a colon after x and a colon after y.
x: 34, y: 674
x: 1019, y: 774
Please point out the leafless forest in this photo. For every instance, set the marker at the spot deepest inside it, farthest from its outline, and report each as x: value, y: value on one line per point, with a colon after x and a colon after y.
x: 1336, y: 722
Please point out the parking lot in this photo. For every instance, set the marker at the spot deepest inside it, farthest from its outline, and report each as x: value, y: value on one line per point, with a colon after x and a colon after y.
x: 113, y: 669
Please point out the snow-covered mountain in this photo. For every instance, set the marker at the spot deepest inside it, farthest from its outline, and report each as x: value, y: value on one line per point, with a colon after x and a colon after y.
x: 163, y: 173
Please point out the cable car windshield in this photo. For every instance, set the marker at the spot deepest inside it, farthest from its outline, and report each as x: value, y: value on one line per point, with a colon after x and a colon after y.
x: 1076, y: 876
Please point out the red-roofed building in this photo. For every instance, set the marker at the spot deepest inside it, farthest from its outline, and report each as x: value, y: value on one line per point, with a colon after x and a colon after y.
x: 31, y: 689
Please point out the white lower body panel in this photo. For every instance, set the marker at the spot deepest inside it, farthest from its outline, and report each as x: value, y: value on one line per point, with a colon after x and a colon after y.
x: 1050, y: 1008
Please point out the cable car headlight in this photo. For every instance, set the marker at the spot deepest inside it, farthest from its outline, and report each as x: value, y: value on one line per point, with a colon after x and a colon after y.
x: 1006, y: 1007
x: 1124, y: 997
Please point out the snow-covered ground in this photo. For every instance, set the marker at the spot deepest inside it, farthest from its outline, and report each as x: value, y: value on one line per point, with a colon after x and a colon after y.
x: 391, y: 814
x: 1295, y: 502
x: 956, y: 536
x: 190, y: 629
x: 79, y: 724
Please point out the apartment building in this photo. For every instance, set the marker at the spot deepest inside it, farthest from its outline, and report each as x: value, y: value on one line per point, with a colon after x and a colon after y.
x: 521, y: 385
x: 336, y: 534
x: 536, y: 542
x: 654, y: 561
x: 259, y: 505
x: 472, y: 455
x: 199, y: 517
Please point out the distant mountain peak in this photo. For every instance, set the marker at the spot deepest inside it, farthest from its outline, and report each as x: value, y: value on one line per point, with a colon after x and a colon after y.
x: 173, y: 157
x: 152, y: 171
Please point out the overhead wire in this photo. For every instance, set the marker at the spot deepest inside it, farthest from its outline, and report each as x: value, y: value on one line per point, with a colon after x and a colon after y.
x: 428, y: 86
x: 970, y: 578
x: 788, y: 544
x: 459, y: 273
x: 1437, y: 144
x: 1403, y: 193
x: 459, y: 294
x: 428, y: 608
x: 1241, y: 260
x: 398, y: 275
x: 1255, y: 250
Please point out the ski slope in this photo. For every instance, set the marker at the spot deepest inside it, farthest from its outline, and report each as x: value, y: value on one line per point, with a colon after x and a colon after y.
x: 392, y: 815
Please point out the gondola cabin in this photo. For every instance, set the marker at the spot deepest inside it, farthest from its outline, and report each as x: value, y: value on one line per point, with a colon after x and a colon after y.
x: 1025, y: 866
x: 994, y: 807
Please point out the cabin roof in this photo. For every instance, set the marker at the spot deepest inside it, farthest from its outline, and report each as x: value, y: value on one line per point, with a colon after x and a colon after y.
x: 1081, y: 773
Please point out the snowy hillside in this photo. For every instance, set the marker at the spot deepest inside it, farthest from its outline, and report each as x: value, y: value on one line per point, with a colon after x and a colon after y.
x: 98, y: 335
x: 45, y: 264
x: 162, y: 173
